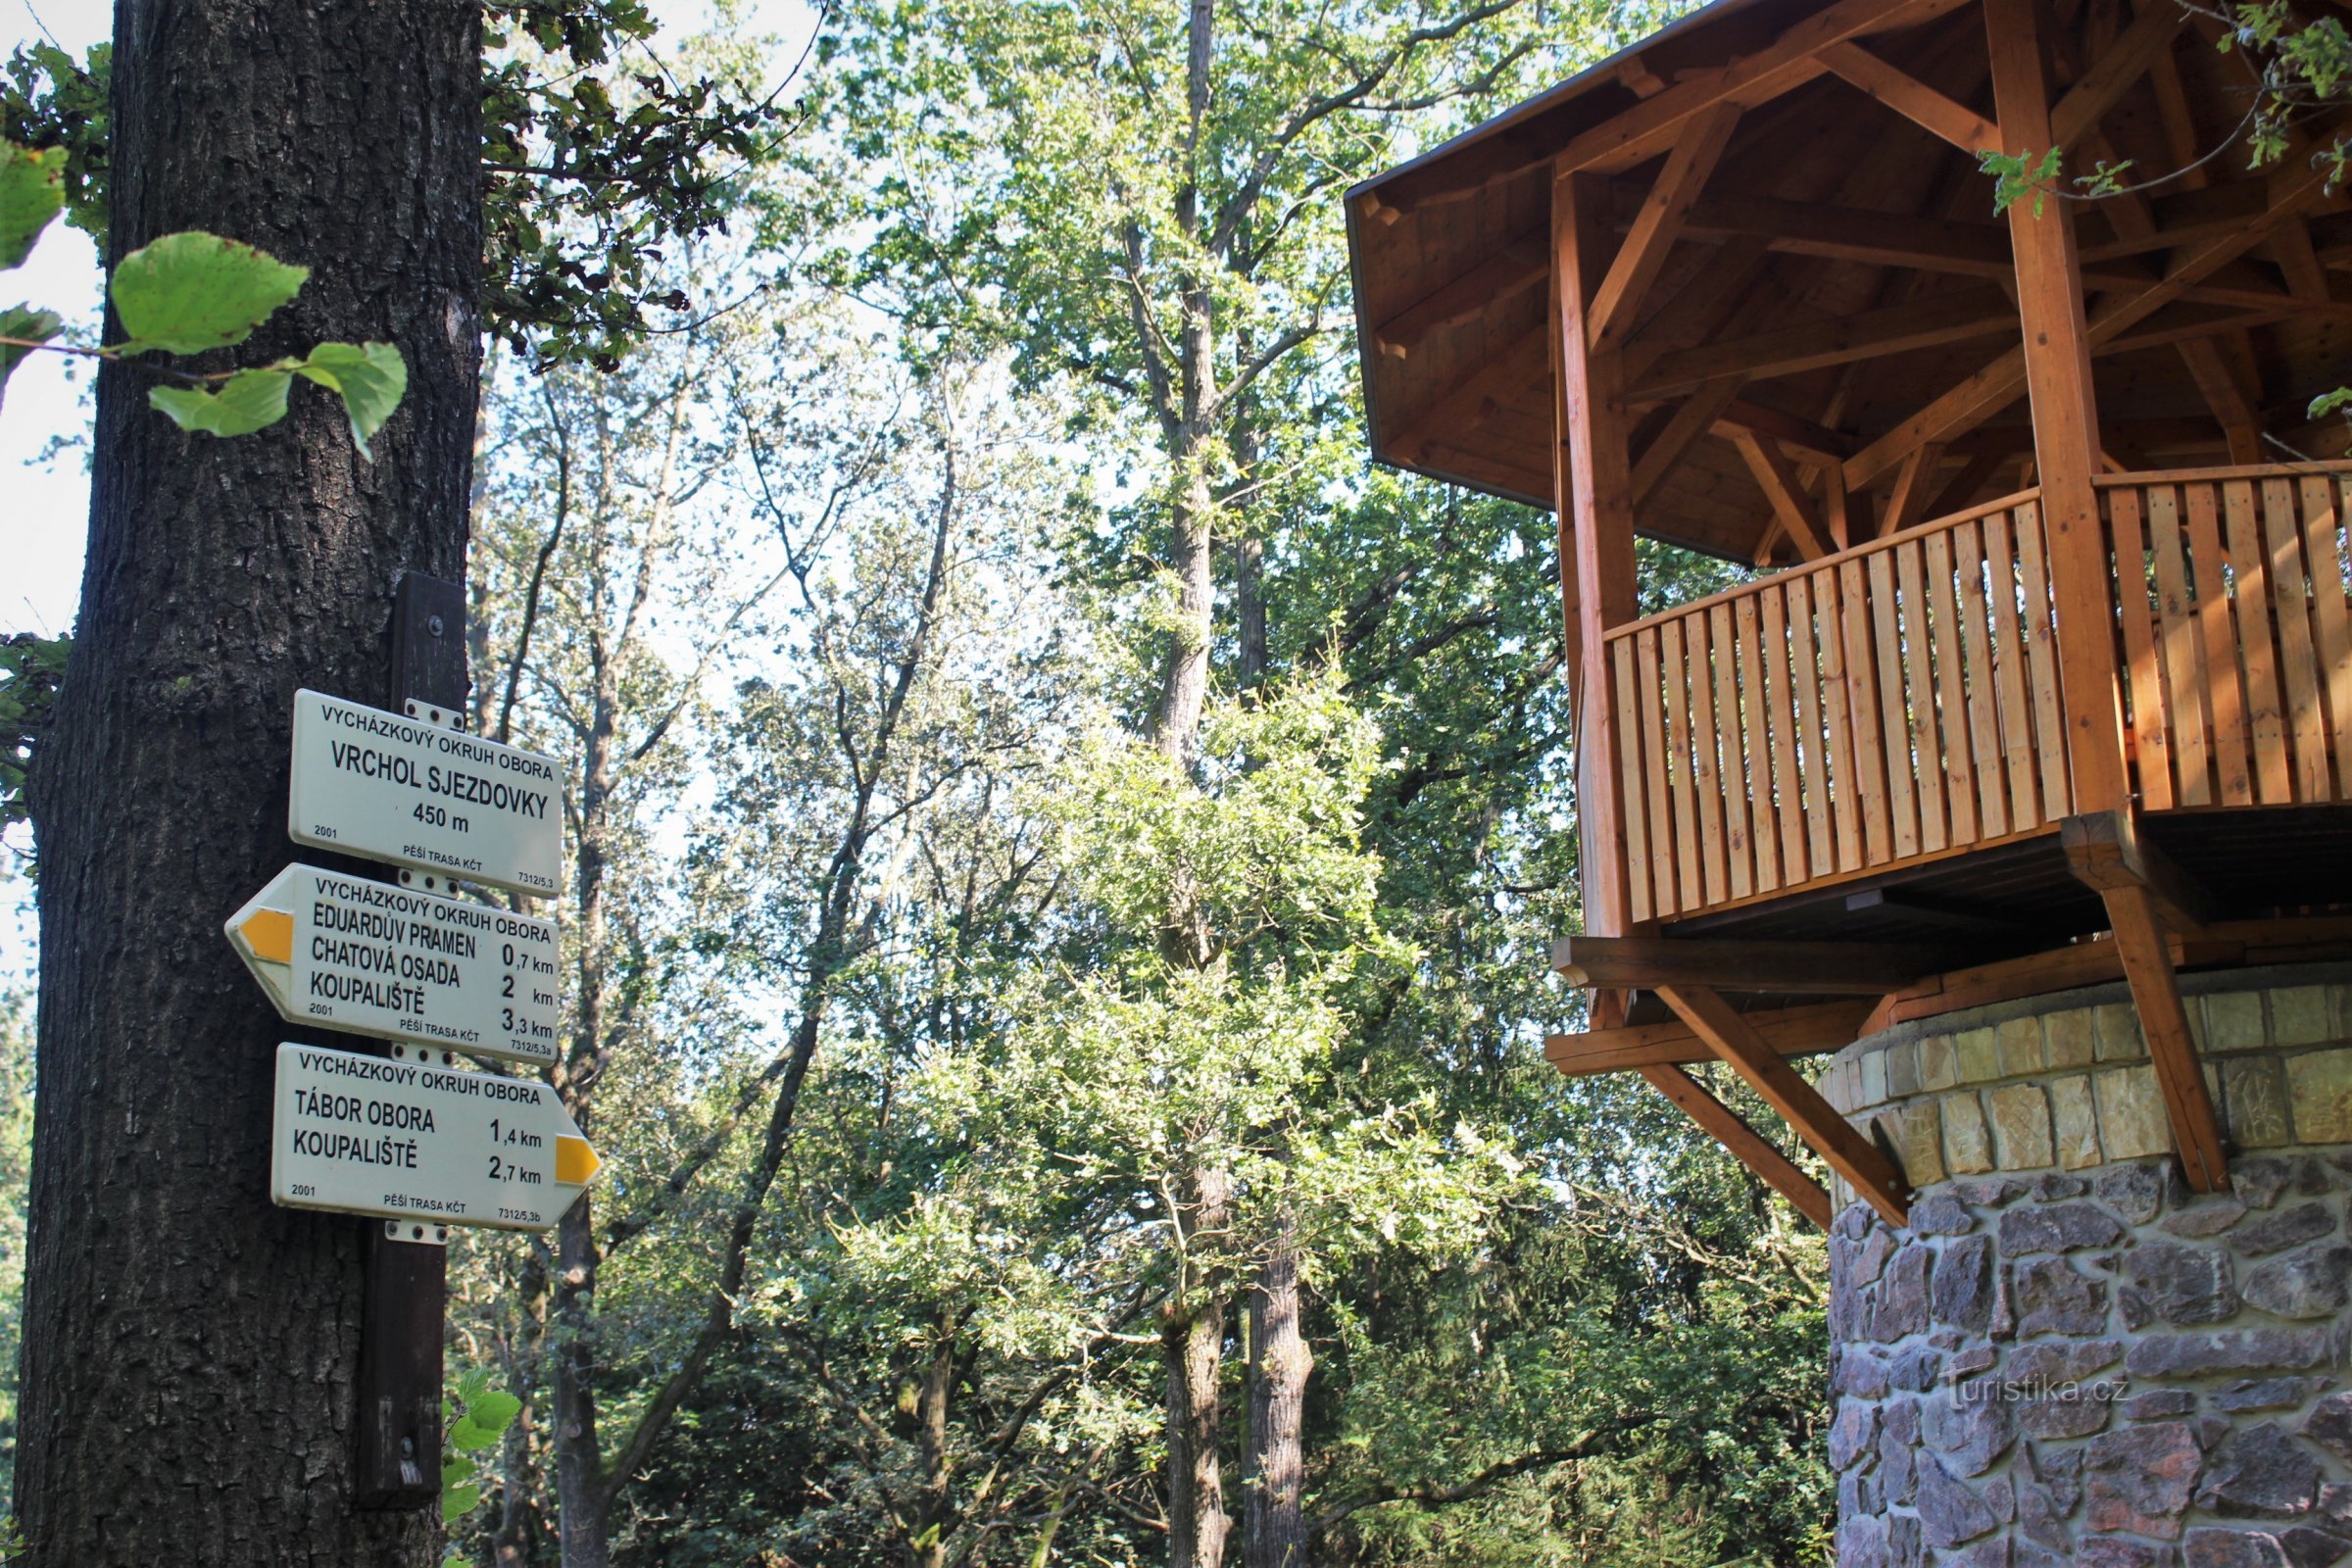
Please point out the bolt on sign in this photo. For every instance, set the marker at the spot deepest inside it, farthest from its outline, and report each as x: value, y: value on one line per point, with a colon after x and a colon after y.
x: 378, y: 784
x: 380, y: 959
x: 409, y: 1141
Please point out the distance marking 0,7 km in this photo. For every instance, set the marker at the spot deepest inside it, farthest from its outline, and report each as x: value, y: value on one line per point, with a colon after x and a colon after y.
x: 374, y: 783
x: 380, y: 959
x: 408, y: 1141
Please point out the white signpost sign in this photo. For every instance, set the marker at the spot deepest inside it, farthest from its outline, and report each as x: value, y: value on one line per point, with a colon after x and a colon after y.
x: 436, y: 1146
x: 374, y: 783
x: 380, y: 959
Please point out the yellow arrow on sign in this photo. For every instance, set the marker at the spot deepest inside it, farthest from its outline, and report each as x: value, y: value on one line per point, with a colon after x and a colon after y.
x: 576, y: 1163
x: 269, y: 933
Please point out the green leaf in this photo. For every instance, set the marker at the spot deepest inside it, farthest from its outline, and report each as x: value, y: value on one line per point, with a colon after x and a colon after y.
x: 194, y: 291
x: 370, y: 378
x: 32, y: 326
x: 454, y: 1472
x: 247, y: 401
x: 458, y: 1501
x: 2328, y: 403
x: 494, y: 1411
x: 32, y: 187
x: 469, y: 1437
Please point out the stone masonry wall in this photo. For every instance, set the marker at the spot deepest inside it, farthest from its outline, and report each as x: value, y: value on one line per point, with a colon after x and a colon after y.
x: 2068, y: 1357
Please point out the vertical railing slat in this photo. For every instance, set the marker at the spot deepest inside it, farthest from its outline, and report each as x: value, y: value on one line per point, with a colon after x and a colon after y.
x: 2225, y: 690
x: 2041, y: 659
x: 1951, y: 699
x: 2257, y: 644
x: 1693, y: 893
x: 1759, y: 721
x: 1623, y: 714
x: 2143, y: 675
x: 1919, y: 685
x: 2323, y: 528
x: 1789, y: 804
x: 1730, y: 751
x: 1983, y: 699
x: 1840, y: 772
x: 1804, y: 668
x: 1862, y: 699
x: 2188, y: 706
x: 2009, y: 673
x: 2298, y: 658
x: 1665, y: 832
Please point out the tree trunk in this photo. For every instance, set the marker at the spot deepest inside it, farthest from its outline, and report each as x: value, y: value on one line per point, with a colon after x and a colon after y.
x: 1273, y: 1485
x: 190, y: 1351
x: 1193, y: 1340
x: 583, y: 1497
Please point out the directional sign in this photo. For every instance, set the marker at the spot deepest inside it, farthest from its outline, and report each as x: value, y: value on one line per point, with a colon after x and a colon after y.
x: 404, y: 1140
x: 372, y: 783
x: 379, y: 959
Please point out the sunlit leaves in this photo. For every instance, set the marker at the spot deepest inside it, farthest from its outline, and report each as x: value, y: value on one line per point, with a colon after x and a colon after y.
x: 248, y: 400
x: 370, y: 377
x: 32, y: 191
x: 193, y: 291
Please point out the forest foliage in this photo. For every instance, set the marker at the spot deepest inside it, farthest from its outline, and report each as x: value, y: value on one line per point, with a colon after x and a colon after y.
x: 1063, y: 851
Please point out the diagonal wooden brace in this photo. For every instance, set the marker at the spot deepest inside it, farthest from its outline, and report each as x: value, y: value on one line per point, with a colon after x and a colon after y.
x: 1729, y: 1129
x: 2144, y: 894
x: 1828, y: 1134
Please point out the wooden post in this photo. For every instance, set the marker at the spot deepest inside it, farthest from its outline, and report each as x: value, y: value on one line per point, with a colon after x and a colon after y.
x: 1594, y: 479
x: 2066, y: 426
x: 401, y: 1318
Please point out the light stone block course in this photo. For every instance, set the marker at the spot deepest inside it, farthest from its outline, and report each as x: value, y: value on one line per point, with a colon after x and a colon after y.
x: 2019, y: 1042
x: 2299, y: 1017
x: 2078, y: 1120
x: 1919, y: 1143
x: 2071, y: 1037
x: 1939, y: 1065
x: 2021, y: 1127
x: 2254, y: 1100
x: 1874, y: 1077
x: 1902, y: 1071
x: 2132, y: 1116
x: 2120, y: 1039
x: 2232, y: 1020
x: 1967, y: 1144
x: 2318, y: 1086
x: 1980, y: 1062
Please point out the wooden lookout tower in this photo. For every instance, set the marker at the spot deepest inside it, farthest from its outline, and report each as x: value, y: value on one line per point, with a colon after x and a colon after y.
x: 2044, y: 681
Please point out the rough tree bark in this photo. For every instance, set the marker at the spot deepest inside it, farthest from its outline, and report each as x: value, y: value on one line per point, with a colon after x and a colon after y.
x: 1274, y: 1479
x: 1193, y: 1340
x: 190, y: 1349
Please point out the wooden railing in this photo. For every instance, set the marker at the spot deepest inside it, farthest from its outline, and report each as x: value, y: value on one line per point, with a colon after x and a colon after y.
x: 2236, y: 634
x: 1894, y: 702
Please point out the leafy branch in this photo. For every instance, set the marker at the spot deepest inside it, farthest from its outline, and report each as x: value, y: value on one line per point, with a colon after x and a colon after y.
x: 189, y: 293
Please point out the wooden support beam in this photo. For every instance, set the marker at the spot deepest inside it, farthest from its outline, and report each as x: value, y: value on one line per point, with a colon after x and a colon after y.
x: 1789, y: 60
x: 1790, y: 507
x: 1907, y: 504
x: 1973, y: 475
x: 1961, y: 918
x: 2171, y: 1050
x: 1594, y: 486
x: 1651, y: 126
x: 1695, y: 417
x: 1912, y: 98
x: 1828, y: 1134
x: 1809, y: 345
x: 1809, y: 442
x: 2109, y: 77
x: 1609, y: 318
x: 1749, y: 1146
x: 2105, y: 851
x: 1520, y: 267
x: 1806, y: 1031
x: 2066, y: 423
x: 1995, y: 385
x: 1729, y: 963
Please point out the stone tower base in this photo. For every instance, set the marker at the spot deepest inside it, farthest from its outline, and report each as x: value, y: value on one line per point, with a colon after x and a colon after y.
x: 2069, y: 1357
